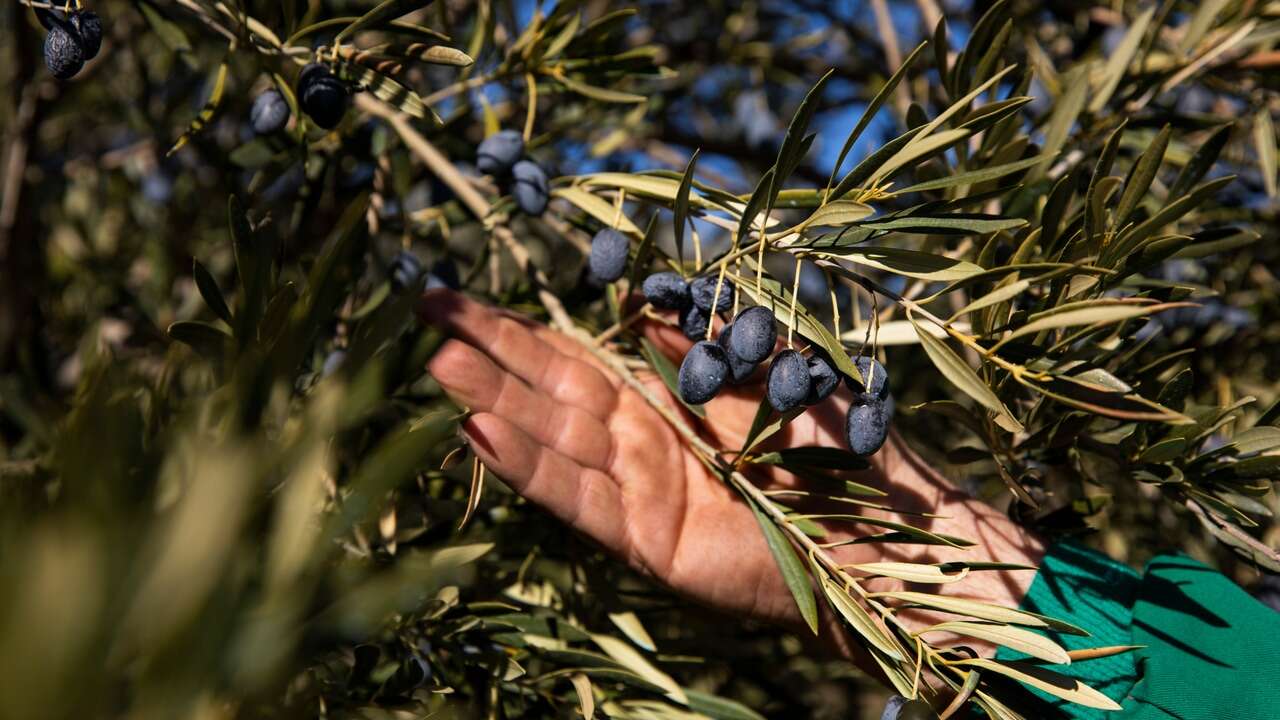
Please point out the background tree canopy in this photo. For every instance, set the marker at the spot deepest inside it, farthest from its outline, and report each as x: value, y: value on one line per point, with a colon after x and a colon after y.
x: 230, y: 490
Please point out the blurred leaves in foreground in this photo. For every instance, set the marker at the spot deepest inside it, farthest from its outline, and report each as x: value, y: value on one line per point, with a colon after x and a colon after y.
x: 229, y: 490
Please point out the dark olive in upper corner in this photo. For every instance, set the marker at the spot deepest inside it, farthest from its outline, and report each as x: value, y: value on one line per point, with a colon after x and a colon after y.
x: 666, y: 291
x: 530, y: 187
x: 703, y: 290
x: 269, y: 113
x: 702, y: 373
x: 63, y: 54
x: 500, y: 151
x: 788, y: 383
x: 322, y: 95
x: 755, y: 333
x: 89, y: 27
x: 608, y: 259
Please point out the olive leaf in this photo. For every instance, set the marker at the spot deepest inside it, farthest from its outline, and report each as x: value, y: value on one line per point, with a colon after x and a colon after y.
x: 793, y: 572
x: 384, y: 12
x: 958, y: 372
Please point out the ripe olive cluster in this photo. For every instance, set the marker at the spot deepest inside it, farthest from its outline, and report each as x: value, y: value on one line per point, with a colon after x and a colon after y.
x: 501, y: 156
x: 73, y: 39
x: 793, y: 380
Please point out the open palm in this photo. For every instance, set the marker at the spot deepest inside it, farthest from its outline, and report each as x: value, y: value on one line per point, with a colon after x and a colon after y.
x: 569, y: 435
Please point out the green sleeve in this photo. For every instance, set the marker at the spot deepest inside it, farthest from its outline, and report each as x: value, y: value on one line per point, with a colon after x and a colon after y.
x: 1209, y: 652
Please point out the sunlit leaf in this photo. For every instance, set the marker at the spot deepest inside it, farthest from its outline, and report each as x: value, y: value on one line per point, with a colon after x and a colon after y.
x: 1048, y: 681
x: 1014, y: 638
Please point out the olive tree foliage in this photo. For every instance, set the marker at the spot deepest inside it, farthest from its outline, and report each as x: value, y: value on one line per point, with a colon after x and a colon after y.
x: 230, y: 488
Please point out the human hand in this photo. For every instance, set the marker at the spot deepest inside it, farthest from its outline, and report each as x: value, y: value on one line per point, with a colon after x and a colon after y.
x: 568, y: 434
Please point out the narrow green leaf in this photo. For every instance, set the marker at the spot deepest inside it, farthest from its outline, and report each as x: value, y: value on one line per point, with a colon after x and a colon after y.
x: 205, y: 116
x: 863, y: 170
x: 1015, y: 638
x: 395, y: 26
x: 963, y: 606
x: 1064, y: 115
x: 1094, y: 313
x: 208, y: 288
x: 631, y: 659
x: 911, y: 572
x: 1264, y: 139
x: 1106, y: 159
x: 433, y: 54
x: 762, y: 428
x: 999, y: 295
x: 207, y: 340
x: 909, y: 263
x: 631, y: 626
x: 874, y: 107
x: 1201, y: 162
x: 1200, y: 23
x: 861, y: 621
x: 958, y: 372
x: 1118, y: 62
x: 664, y: 185
x: 755, y: 205
x: 168, y: 32
x: 599, y: 208
x: 1048, y: 681
x: 599, y: 93
x: 971, y: 177
x: 681, y: 209
x: 253, y: 254
x: 838, y: 212
x: 960, y: 105
x: 829, y: 458
x: 1131, y: 239
x: 563, y: 37
x: 917, y: 150
x: 794, y: 144
x: 793, y: 572
x: 1143, y: 173
x: 383, y: 12
x: 955, y: 223
x: 718, y: 708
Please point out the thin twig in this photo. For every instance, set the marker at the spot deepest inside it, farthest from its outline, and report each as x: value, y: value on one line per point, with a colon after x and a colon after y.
x: 470, y: 197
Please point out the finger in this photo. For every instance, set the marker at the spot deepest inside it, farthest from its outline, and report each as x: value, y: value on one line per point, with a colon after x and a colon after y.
x: 471, y: 378
x: 587, y: 499
x: 515, y: 348
x: 668, y: 339
x: 575, y: 350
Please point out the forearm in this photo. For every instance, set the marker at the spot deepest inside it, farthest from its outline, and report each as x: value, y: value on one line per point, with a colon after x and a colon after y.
x: 914, y: 487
